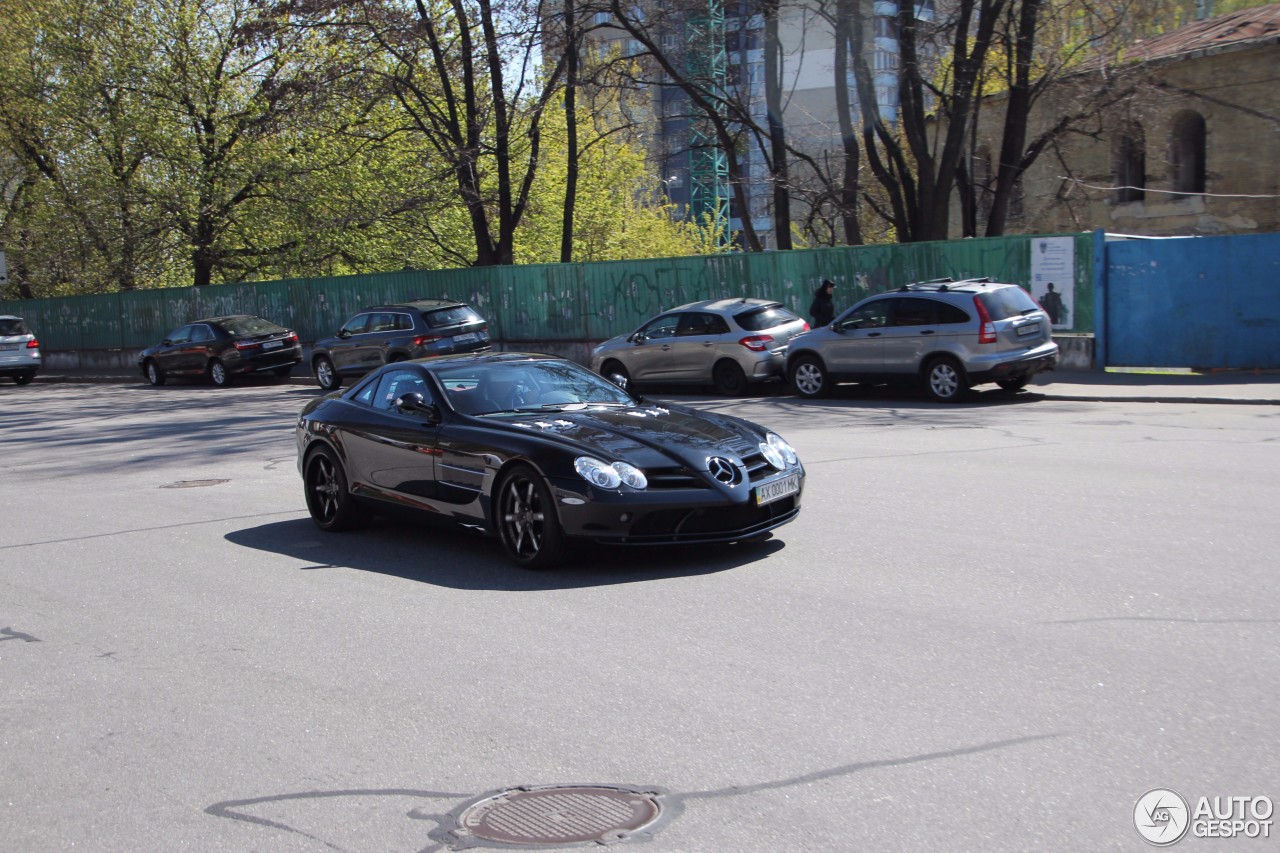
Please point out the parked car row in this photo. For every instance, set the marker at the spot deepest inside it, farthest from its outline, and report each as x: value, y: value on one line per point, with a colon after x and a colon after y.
x: 945, y: 335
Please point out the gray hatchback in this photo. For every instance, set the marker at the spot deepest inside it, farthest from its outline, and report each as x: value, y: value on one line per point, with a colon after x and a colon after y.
x: 386, y: 333
x: 947, y: 335
x: 727, y: 343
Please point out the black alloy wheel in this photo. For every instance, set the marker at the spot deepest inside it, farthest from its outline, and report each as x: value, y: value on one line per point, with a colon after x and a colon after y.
x: 326, y: 376
x: 218, y: 374
x: 154, y: 374
x: 945, y: 380
x: 728, y: 378
x: 330, y: 503
x: 526, y: 520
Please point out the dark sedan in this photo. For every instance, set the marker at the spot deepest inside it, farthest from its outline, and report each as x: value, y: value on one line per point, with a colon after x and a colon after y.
x: 540, y: 451
x: 218, y: 348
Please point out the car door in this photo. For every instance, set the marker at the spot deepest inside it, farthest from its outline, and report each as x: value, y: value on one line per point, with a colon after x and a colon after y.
x: 201, y: 349
x: 694, y: 350
x: 395, y: 453
x: 911, y: 333
x: 173, y: 354
x: 649, y: 358
x: 856, y: 349
x: 345, y: 350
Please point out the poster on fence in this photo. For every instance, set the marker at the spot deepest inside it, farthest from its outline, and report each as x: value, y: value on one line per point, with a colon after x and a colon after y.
x: 1053, y: 278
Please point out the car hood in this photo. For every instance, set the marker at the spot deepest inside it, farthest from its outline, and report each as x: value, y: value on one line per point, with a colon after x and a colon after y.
x: 646, y: 436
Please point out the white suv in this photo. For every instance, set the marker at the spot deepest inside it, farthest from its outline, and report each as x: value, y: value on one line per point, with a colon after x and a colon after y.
x: 19, y: 350
x: 948, y: 335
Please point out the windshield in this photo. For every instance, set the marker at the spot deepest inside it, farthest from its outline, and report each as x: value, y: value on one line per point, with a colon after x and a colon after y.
x: 524, y: 386
x: 12, y: 326
x: 765, y: 317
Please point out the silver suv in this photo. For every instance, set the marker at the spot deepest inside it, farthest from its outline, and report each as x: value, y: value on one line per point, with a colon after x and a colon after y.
x: 19, y: 350
x: 949, y: 335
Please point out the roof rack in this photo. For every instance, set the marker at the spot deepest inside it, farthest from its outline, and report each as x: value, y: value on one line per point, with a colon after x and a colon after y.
x: 942, y: 285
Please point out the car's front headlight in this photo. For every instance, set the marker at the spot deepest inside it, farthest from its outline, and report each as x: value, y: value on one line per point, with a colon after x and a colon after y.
x: 607, y: 476
x: 777, y: 452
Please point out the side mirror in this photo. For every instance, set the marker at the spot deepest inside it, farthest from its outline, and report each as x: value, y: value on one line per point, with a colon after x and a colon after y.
x: 639, y: 338
x: 166, y: 343
x: 343, y: 333
x: 619, y: 380
x: 413, y: 402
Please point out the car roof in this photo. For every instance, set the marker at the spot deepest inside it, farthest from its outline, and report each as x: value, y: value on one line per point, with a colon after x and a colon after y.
x: 419, y: 304
x: 726, y: 306
x: 482, y: 358
x: 223, y: 317
x: 9, y: 317
x: 946, y: 285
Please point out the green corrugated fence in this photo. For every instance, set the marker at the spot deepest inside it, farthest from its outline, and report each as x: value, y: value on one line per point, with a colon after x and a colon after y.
x: 550, y: 303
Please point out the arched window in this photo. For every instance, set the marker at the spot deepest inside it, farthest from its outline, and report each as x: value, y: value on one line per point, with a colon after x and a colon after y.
x: 1186, y: 153
x: 1129, y: 156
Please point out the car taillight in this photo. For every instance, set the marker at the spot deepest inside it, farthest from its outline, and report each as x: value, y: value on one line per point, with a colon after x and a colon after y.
x: 423, y: 340
x: 33, y: 344
x: 757, y: 343
x: 292, y: 339
x: 987, y: 332
x: 806, y: 328
x: 245, y: 344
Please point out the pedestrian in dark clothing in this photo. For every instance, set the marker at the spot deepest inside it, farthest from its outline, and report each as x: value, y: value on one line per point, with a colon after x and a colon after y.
x: 823, y: 307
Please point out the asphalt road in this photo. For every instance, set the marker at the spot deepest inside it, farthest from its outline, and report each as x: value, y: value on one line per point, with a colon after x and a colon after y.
x: 994, y: 627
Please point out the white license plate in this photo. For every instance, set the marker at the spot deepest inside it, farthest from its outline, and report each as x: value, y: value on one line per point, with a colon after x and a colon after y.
x: 7, y: 347
x: 464, y: 338
x: 1029, y: 329
x: 272, y: 344
x: 780, y: 488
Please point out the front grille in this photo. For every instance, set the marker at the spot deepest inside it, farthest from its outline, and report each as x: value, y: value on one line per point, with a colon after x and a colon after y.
x: 673, y: 478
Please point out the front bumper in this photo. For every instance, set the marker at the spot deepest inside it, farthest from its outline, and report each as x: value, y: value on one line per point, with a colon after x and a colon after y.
x: 672, y: 516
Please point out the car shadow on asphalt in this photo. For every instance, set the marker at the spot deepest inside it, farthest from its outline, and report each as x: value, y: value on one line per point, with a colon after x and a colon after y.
x: 443, y: 554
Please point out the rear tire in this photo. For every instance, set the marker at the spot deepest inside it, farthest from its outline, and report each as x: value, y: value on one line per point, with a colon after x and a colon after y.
x: 326, y: 376
x: 218, y: 374
x: 283, y: 372
x: 525, y: 517
x: 729, y: 379
x: 809, y: 378
x: 945, y: 380
x: 23, y: 378
x: 329, y: 500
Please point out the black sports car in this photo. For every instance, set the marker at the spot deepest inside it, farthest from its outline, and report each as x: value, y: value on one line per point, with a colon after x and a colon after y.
x: 539, y: 450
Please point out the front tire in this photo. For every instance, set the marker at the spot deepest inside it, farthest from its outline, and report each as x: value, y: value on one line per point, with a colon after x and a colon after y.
x: 525, y: 516
x: 729, y: 379
x: 617, y: 374
x: 329, y: 500
x: 809, y: 378
x: 218, y: 374
x: 945, y: 381
x: 326, y: 376
x: 154, y: 374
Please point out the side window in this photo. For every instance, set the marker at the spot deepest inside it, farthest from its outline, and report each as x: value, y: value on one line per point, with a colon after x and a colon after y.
x: 873, y: 315
x: 180, y: 336
x: 663, y: 327
x: 382, y: 322
x: 201, y: 333
x: 697, y: 323
x: 910, y: 311
x: 404, y: 323
x: 395, y: 383
x: 357, y: 324
x: 948, y: 313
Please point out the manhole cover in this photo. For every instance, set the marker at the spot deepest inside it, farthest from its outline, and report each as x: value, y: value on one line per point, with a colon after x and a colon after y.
x: 557, y: 815
x: 193, y: 484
